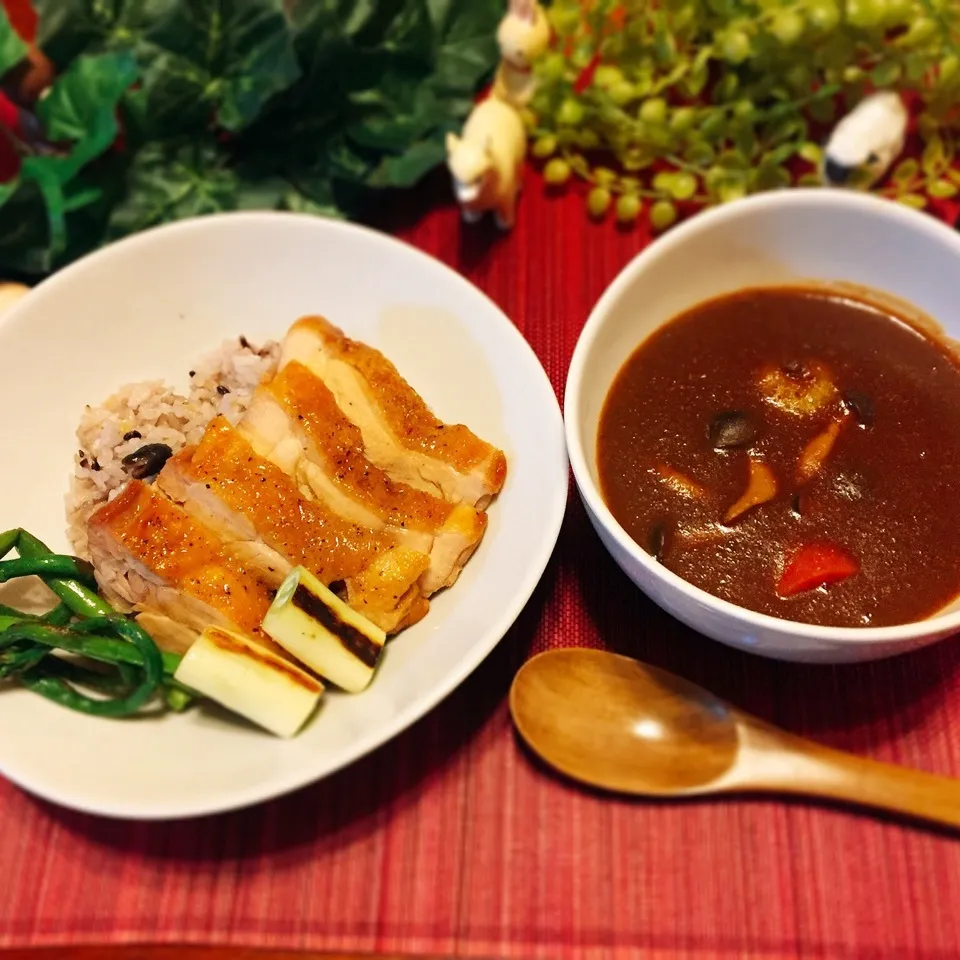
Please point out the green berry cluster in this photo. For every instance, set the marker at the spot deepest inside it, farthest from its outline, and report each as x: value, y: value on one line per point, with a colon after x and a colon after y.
x: 705, y: 101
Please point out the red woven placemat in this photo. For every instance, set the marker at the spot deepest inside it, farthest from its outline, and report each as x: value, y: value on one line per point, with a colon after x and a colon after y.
x: 450, y: 840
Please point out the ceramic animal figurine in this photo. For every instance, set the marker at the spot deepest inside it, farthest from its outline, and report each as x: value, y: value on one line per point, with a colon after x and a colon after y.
x: 486, y: 162
x: 523, y: 35
x: 866, y: 141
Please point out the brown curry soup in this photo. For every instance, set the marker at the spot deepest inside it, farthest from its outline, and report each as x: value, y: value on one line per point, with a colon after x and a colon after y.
x: 795, y: 451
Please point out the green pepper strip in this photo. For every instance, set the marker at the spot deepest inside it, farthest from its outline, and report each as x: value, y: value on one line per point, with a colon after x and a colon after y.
x: 11, y: 612
x: 8, y: 540
x: 83, y: 601
x: 55, y: 565
x: 59, y: 616
x: 60, y: 692
x: 77, y: 641
x: 96, y: 648
x: 20, y: 657
x: 103, y: 682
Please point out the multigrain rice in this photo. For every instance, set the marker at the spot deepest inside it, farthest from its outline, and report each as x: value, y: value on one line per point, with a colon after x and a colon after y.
x: 222, y: 382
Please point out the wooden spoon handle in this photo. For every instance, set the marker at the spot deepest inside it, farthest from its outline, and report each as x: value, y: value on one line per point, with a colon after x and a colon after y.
x: 781, y: 762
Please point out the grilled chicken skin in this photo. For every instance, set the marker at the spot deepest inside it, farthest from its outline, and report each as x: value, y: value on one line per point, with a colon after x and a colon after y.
x: 159, y: 560
x: 400, y: 433
x: 294, y: 422
x: 264, y: 522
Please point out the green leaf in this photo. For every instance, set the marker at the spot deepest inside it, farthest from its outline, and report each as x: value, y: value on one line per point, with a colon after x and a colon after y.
x: 8, y: 188
x: 344, y: 161
x: 78, y: 114
x: 312, y: 187
x: 886, y: 74
x: 12, y: 47
x: 67, y: 28
x: 24, y: 241
x: 170, y: 181
x: 88, y: 92
x: 399, y: 123
x: 780, y: 155
x: 44, y: 172
x: 79, y: 195
x: 221, y: 57
x: 261, y: 194
x: 327, y: 101
x: 466, y: 42
x: 409, y: 167
x: 298, y: 203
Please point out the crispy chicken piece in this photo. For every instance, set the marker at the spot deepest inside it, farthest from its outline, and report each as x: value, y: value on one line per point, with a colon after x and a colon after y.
x: 158, y: 559
x: 294, y: 422
x: 400, y: 433
x: 257, y: 510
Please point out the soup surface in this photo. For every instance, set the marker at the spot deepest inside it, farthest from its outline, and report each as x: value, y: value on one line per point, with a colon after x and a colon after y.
x: 794, y: 452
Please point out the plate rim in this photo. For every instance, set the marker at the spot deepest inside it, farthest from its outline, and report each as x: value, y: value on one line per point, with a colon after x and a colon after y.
x: 491, y: 637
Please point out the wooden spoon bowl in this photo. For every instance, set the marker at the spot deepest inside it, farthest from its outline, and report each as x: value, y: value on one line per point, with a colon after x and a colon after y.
x: 620, y: 725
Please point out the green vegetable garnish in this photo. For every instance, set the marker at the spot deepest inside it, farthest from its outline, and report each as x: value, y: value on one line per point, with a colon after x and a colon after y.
x: 54, y: 565
x: 132, y: 671
x: 83, y: 601
x: 95, y: 648
x: 8, y: 541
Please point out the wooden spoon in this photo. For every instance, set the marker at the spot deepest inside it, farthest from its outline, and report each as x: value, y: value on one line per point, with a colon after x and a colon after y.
x: 621, y: 725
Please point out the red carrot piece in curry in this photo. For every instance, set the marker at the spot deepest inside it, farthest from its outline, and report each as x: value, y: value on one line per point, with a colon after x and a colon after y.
x: 815, y: 565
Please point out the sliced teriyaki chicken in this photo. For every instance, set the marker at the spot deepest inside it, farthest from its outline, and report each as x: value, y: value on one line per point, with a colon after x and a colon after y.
x: 294, y: 422
x: 159, y: 560
x: 388, y: 592
x: 400, y: 433
x: 257, y: 511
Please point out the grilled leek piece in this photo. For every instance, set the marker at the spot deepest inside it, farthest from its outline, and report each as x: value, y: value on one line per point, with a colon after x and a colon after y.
x: 250, y: 680
x: 322, y: 632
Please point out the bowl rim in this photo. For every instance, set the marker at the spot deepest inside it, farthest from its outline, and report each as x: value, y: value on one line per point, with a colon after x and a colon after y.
x: 509, y: 611
x: 793, y: 198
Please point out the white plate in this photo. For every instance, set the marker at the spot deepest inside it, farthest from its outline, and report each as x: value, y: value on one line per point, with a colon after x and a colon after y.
x: 147, y: 308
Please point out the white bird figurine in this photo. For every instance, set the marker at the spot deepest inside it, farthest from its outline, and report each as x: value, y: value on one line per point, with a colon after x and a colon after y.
x: 486, y: 162
x: 523, y: 35
x: 866, y: 141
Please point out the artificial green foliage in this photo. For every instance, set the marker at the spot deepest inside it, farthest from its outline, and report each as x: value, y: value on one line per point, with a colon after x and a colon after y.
x: 307, y: 105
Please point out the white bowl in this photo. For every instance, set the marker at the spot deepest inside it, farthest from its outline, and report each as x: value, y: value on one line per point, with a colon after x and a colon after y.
x: 776, y: 238
x: 147, y: 308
